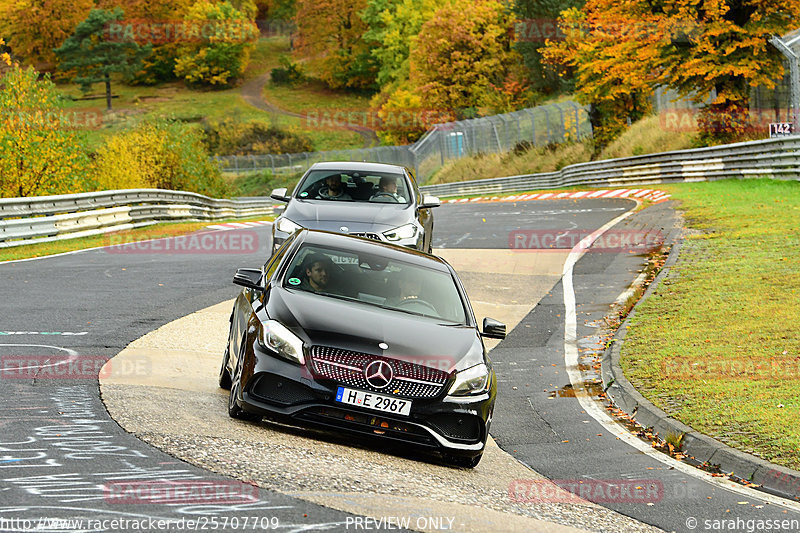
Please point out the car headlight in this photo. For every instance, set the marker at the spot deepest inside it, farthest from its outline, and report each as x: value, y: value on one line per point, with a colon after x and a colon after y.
x: 474, y: 380
x: 408, y: 231
x: 287, y: 226
x: 277, y: 337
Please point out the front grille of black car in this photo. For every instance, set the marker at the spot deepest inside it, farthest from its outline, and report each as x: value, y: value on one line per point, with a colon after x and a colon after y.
x: 410, y: 380
x: 372, y: 236
x: 276, y: 389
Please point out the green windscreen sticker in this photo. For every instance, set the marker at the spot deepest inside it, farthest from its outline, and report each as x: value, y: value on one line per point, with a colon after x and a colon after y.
x: 294, y: 281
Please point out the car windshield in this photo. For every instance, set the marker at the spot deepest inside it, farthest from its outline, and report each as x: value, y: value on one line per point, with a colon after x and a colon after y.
x: 354, y: 186
x: 376, y: 280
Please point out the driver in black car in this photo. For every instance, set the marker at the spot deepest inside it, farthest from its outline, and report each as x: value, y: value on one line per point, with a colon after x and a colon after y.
x: 333, y: 189
x: 317, y: 269
x: 409, y: 288
x: 387, y: 187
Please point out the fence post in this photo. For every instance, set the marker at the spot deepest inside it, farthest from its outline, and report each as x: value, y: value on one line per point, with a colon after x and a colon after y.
x: 546, y: 111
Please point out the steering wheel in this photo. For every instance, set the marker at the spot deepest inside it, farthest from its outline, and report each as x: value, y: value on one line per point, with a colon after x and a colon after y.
x: 384, y: 194
x: 421, y: 303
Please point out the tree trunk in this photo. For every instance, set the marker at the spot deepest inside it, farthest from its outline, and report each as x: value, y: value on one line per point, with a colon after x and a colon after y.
x: 108, y: 92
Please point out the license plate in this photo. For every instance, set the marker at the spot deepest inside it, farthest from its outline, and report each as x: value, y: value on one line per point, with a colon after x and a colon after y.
x: 376, y: 402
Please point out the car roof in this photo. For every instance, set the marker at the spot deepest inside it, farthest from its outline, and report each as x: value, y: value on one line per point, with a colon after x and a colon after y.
x: 357, y: 165
x: 357, y: 244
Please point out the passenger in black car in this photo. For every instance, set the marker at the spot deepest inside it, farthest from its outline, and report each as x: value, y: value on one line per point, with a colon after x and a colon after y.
x: 333, y: 189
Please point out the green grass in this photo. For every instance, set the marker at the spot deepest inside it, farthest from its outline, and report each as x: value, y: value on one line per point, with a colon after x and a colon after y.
x: 313, y: 95
x: 155, y: 231
x: 174, y: 100
x: 260, y: 183
x: 716, y: 345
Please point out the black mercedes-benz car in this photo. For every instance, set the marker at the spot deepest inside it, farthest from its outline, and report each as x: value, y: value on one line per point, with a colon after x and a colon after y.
x: 353, y: 335
x: 376, y: 201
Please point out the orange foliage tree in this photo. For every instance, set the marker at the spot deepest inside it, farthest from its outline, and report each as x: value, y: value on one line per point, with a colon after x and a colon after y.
x: 462, y: 58
x: 34, y: 28
x: 330, y: 37
x: 621, y: 48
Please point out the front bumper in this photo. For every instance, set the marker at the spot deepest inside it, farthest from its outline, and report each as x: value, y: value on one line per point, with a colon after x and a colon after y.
x: 284, y: 390
x: 416, y: 243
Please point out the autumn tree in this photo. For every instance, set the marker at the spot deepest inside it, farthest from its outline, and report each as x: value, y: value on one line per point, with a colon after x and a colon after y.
x: 695, y: 47
x: 604, y: 53
x: 464, y: 57
x: 723, y: 47
x: 330, y: 37
x: 393, y: 26
x: 155, y: 22
x: 220, y: 41
x: 93, y: 54
x: 536, y: 22
x: 41, y: 151
x: 34, y: 28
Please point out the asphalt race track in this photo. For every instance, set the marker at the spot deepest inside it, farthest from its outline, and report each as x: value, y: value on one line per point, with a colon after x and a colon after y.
x: 60, y: 451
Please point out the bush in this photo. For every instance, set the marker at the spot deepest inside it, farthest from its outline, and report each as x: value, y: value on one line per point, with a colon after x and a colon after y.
x: 288, y: 74
x: 231, y: 137
x: 159, y: 154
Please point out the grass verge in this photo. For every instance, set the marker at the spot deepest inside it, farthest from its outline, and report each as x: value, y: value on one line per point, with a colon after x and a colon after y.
x: 156, y: 231
x: 715, y: 345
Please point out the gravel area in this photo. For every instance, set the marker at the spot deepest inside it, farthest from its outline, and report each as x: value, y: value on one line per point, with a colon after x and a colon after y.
x: 175, y: 405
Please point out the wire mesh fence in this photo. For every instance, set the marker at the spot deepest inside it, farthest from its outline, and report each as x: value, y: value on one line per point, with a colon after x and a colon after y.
x: 538, y: 126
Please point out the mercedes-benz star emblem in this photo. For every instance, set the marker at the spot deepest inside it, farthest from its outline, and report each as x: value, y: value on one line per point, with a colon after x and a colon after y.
x: 344, y: 229
x: 379, y: 374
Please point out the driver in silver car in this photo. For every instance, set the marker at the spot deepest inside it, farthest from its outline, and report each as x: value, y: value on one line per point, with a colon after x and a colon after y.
x: 333, y: 189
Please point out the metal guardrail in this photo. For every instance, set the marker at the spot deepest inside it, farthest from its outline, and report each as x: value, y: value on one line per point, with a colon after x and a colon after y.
x: 49, y: 218
x: 776, y: 158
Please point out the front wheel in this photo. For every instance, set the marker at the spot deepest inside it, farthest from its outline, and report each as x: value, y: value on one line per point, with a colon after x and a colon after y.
x: 234, y: 411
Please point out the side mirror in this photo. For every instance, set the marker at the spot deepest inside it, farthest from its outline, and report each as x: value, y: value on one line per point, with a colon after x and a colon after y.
x: 429, y: 201
x: 279, y: 194
x: 249, y: 278
x: 493, y: 329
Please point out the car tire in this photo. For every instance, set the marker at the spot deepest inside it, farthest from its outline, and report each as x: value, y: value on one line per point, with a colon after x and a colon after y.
x: 234, y: 411
x: 224, y: 374
x: 464, y: 462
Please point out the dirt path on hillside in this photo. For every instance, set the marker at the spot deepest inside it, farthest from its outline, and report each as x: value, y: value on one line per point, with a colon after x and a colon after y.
x: 252, y: 92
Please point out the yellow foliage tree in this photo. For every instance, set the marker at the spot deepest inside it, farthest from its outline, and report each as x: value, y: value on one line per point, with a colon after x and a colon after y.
x: 40, y: 150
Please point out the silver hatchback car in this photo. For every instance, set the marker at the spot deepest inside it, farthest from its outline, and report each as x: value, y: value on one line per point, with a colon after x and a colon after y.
x: 371, y: 200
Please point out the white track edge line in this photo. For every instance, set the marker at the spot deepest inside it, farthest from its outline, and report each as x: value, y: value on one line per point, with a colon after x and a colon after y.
x: 593, y: 408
